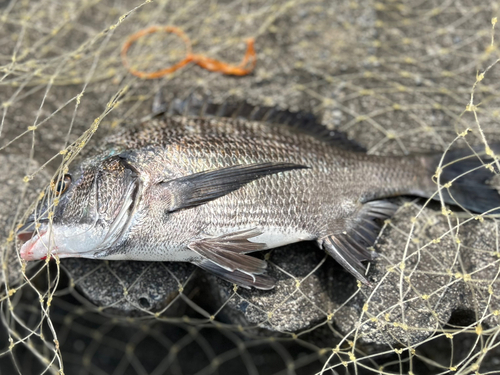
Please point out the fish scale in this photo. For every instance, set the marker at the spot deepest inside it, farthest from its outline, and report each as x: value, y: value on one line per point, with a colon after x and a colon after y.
x: 318, y: 199
x: 209, y: 190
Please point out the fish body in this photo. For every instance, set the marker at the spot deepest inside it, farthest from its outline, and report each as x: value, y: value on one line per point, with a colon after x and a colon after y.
x: 210, y: 190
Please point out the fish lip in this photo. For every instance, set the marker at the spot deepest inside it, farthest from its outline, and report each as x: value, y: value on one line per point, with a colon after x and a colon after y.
x: 27, y: 249
x: 30, y: 235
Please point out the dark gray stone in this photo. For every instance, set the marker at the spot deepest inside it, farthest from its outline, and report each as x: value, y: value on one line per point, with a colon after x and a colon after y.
x: 129, y: 287
x: 309, y: 288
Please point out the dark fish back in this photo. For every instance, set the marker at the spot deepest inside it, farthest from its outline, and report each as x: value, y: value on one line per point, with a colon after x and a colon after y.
x: 306, y: 122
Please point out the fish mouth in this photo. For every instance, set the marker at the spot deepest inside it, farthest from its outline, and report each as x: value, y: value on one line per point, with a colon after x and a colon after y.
x: 35, y: 236
x: 41, y: 244
x: 31, y: 236
x: 29, y: 249
x: 25, y: 236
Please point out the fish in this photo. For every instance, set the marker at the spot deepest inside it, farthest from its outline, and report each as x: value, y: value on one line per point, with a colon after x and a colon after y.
x: 212, y: 184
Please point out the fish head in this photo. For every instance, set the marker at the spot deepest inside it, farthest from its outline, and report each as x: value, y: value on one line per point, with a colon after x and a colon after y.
x: 88, y: 211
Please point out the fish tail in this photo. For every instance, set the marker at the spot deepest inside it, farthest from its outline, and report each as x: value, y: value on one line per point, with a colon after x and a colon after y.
x: 466, y: 178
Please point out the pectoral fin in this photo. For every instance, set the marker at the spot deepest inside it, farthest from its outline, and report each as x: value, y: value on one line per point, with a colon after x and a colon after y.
x: 242, y: 279
x: 351, y: 247
x: 202, y: 187
x: 225, y: 257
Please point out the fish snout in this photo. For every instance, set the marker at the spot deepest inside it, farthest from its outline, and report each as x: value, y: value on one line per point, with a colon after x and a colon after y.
x: 58, y: 240
x: 34, y: 234
x: 36, y: 247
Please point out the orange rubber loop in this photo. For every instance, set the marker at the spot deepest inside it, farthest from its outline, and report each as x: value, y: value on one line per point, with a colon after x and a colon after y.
x: 246, y: 66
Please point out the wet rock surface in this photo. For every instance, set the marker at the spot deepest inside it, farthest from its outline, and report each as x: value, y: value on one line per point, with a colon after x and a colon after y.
x: 130, y: 287
x: 420, y: 282
x: 309, y: 288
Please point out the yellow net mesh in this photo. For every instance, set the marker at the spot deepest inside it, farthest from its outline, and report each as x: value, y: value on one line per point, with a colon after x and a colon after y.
x: 397, y: 76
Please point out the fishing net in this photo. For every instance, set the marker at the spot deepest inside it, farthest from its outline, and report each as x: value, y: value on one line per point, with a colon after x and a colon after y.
x: 397, y: 76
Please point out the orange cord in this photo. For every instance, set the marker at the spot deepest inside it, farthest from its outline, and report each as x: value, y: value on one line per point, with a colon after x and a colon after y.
x: 246, y: 66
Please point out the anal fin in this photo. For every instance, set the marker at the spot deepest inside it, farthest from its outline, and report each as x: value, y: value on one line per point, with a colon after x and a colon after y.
x: 225, y: 257
x: 350, y: 248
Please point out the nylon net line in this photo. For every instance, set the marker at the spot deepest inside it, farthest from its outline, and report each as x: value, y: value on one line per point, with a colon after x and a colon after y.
x: 398, y: 76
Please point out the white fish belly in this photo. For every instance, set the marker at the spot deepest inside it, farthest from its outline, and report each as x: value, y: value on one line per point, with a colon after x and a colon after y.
x: 158, y: 255
x: 275, y: 237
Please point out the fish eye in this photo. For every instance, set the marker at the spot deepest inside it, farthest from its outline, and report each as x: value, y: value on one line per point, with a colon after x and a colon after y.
x: 62, y: 185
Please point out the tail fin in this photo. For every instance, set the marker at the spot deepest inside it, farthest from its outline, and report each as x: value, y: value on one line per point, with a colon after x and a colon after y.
x: 469, y: 173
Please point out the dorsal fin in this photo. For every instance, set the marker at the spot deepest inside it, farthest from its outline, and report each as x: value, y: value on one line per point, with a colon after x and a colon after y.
x: 202, y: 106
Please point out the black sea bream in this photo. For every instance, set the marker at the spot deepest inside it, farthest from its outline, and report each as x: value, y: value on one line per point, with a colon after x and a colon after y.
x: 209, y: 190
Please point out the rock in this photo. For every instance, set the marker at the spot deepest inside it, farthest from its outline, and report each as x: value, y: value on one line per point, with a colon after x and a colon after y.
x: 131, y: 287
x: 421, y: 281
x: 309, y: 288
